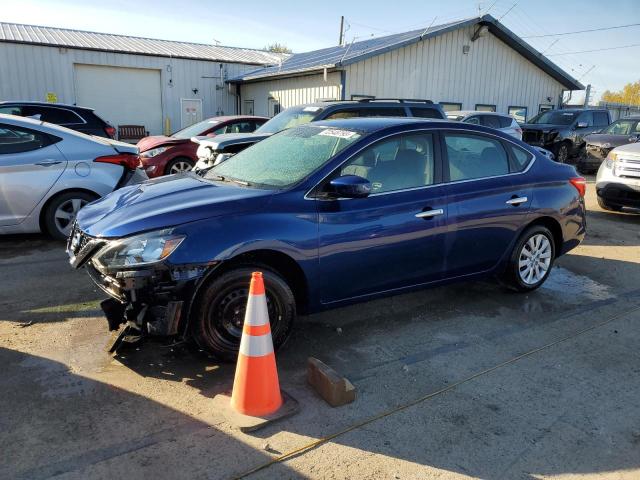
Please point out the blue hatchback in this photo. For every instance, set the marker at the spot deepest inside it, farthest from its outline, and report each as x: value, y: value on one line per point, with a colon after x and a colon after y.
x: 332, y: 212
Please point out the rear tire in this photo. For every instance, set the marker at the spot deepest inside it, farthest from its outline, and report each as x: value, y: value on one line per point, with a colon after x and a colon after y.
x: 607, y: 206
x: 218, y: 312
x: 531, y: 260
x: 179, y: 165
x: 61, y: 212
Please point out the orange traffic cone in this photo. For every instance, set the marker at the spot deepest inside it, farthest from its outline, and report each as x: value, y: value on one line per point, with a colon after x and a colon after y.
x: 256, y: 399
x: 256, y: 390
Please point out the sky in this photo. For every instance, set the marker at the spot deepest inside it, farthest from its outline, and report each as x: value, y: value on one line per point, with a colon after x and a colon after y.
x: 304, y: 26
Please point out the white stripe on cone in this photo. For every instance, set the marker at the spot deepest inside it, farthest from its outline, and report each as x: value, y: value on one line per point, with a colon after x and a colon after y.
x: 256, y: 346
x: 256, y: 313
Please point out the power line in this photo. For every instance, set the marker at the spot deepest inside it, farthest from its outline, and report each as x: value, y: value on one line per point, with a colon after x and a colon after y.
x: 596, y: 50
x: 584, y: 31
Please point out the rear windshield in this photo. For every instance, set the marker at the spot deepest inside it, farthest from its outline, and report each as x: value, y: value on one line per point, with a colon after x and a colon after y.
x: 555, y: 118
x: 291, y: 117
x: 286, y: 158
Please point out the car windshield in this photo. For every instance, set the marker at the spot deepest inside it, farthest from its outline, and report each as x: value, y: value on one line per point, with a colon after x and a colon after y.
x: 291, y: 117
x: 623, y: 127
x: 286, y: 158
x: 555, y: 118
x: 196, y: 129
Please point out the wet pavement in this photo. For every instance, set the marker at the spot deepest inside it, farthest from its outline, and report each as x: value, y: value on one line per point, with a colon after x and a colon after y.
x: 461, y: 381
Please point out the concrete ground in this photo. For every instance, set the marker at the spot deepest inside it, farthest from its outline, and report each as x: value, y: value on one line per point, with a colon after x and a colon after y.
x: 454, y: 382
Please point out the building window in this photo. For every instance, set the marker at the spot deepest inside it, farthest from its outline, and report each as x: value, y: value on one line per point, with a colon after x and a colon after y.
x: 544, y: 107
x: 451, y: 106
x: 519, y: 113
x: 483, y: 107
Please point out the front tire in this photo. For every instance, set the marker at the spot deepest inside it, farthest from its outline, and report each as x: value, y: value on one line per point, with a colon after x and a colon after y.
x: 531, y: 260
x: 562, y: 153
x: 218, y: 312
x: 61, y: 212
x: 179, y: 165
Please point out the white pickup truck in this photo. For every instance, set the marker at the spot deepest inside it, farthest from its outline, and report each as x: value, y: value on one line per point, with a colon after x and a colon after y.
x: 618, y: 179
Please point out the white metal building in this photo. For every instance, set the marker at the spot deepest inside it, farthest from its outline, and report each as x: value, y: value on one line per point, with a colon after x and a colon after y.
x: 473, y: 64
x: 163, y: 85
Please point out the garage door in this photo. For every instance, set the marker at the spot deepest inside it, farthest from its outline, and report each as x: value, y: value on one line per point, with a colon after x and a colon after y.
x: 121, y: 96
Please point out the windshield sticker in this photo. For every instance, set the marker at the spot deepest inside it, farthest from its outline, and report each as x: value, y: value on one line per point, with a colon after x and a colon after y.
x: 334, y: 132
x: 310, y: 109
x: 568, y: 114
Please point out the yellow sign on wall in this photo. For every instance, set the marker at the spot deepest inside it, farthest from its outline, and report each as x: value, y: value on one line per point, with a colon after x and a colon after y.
x: 52, y: 97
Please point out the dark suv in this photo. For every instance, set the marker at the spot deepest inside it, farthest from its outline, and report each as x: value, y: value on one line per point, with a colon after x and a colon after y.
x: 563, y: 131
x: 214, y: 150
x: 81, y: 119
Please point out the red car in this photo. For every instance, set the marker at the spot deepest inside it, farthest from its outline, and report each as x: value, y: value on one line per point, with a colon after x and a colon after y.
x: 162, y: 155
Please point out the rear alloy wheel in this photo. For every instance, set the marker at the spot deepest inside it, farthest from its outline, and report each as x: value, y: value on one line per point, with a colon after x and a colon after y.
x: 562, y: 153
x: 178, y: 165
x: 61, y: 213
x: 531, y: 260
x: 218, y: 312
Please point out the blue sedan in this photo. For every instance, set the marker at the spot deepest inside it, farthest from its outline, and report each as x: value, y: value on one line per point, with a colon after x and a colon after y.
x: 333, y: 212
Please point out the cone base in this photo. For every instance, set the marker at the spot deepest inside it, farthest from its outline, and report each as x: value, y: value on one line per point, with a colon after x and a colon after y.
x: 247, y: 423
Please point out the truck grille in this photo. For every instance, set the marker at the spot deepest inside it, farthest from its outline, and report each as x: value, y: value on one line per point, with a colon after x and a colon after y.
x: 628, y: 167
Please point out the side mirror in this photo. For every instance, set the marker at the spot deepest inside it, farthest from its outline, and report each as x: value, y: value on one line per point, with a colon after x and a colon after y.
x: 349, y: 186
x: 582, y: 125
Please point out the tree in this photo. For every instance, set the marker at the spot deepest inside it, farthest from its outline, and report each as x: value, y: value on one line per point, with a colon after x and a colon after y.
x: 629, y: 95
x: 278, y: 48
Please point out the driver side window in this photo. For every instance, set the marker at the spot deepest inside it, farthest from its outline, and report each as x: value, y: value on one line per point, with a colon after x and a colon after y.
x: 398, y: 163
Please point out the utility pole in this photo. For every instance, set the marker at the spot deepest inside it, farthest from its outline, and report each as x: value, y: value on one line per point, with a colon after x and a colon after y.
x: 587, y: 94
x: 341, y: 40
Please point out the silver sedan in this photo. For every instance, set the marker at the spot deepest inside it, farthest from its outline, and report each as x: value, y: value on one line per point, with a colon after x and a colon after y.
x: 48, y: 172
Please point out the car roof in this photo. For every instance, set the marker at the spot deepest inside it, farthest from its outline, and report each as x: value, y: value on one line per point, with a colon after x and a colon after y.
x: 576, y: 110
x: 46, y: 104
x: 228, y: 118
x: 380, y: 102
x: 372, y: 124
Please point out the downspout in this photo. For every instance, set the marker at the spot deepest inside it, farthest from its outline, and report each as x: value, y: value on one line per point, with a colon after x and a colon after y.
x: 343, y: 84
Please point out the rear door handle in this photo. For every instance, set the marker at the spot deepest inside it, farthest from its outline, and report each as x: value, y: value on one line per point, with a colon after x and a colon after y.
x: 48, y: 163
x: 517, y: 201
x: 430, y: 213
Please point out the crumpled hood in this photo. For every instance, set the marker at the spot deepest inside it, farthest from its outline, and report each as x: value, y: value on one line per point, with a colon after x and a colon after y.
x: 148, y: 143
x: 165, y: 202
x: 599, y: 138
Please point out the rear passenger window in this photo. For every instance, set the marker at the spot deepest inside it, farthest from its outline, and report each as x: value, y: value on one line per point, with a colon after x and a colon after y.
x: 520, y: 157
x: 351, y: 113
x: 490, y: 121
x: 19, y: 140
x: 425, y: 112
x: 505, y: 122
x: 472, y: 120
x: 400, y: 163
x: 383, y: 112
x: 59, y: 116
x: 473, y: 156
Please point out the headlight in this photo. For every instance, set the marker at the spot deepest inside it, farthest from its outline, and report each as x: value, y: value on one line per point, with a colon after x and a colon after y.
x: 605, y: 145
x: 139, y: 250
x: 611, y: 159
x: 153, y: 152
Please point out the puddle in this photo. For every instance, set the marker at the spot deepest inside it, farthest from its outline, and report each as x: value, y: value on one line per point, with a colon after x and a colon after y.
x: 564, y: 282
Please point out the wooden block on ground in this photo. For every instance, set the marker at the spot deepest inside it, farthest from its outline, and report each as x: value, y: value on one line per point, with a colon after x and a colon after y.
x: 335, y: 390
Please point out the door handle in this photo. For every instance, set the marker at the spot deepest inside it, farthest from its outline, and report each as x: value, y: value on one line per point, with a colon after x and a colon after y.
x: 430, y: 213
x: 516, y: 201
x: 48, y: 163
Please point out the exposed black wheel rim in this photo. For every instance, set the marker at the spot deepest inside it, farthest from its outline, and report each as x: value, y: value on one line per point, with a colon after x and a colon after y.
x: 225, y: 315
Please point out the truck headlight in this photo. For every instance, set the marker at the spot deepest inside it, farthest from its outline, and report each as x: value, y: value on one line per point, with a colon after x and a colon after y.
x: 139, y: 250
x: 611, y: 159
x: 153, y: 152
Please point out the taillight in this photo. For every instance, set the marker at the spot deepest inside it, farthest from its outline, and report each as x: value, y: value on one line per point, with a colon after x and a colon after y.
x: 581, y: 185
x: 127, y: 160
x: 109, y: 130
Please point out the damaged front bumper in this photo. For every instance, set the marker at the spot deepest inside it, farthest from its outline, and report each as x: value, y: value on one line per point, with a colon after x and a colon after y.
x: 151, y: 298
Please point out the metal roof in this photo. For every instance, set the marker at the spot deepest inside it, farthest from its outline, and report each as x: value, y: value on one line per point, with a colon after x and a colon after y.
x: 335, y: 57
x: 61, y: 37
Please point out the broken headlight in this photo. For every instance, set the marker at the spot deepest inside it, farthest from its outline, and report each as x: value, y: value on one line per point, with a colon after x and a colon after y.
x: 139, y: 250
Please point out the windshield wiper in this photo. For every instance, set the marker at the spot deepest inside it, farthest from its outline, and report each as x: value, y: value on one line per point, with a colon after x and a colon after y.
x: 221, y: 178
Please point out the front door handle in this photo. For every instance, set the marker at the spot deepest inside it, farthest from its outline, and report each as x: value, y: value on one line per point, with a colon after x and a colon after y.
x: 430, y: 213
x: 48, y: 163
x: 517, y: 201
